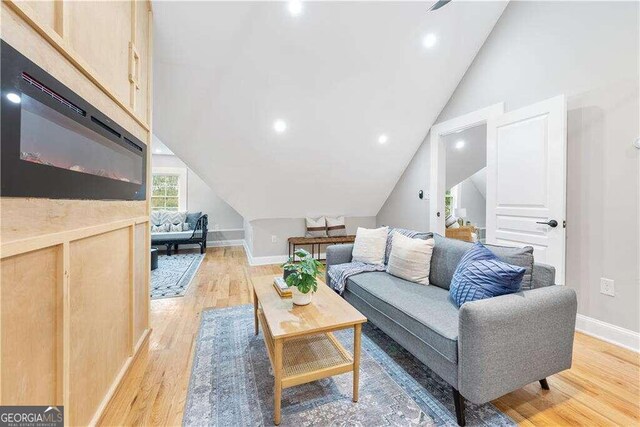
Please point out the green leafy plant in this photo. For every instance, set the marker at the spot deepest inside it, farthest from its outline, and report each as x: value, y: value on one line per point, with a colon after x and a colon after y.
x: 302, y: 274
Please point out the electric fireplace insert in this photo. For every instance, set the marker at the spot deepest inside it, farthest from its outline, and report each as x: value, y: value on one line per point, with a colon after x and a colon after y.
x: 54, y: 144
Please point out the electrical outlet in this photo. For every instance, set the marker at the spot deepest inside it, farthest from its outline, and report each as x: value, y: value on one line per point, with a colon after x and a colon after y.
x: 606, y: 287
x: 274, y: 239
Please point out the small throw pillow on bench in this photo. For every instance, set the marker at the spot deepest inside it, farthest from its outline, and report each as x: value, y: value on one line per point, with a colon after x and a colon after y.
x: 410, y: 259
x: 316, y: 227
x: 480, y: 274
x: 336, y: 226
x: 370, y: 245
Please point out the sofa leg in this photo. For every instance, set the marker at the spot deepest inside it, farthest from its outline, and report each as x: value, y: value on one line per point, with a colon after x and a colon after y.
x: 458, y: 401
x: 544, y: 384
x: 169, y: 246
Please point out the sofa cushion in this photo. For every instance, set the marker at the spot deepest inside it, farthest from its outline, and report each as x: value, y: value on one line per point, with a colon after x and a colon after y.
x: 448, y: 252
x: 174, y: 235
x: 192, y: 219
x: 157, y: 217
x: 425, y: 311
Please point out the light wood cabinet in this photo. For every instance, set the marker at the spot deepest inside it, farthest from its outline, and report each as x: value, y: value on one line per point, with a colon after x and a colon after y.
x: 74, y: 274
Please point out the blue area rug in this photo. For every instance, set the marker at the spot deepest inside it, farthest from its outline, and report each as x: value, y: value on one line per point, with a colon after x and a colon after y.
x: 174, y: 274
x: 232, y: 385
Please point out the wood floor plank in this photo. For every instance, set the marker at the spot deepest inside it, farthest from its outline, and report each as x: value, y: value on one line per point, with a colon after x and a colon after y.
x: 602, y: 387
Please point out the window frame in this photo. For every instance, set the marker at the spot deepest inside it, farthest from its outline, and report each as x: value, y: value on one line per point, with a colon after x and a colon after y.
x: 181, y: 173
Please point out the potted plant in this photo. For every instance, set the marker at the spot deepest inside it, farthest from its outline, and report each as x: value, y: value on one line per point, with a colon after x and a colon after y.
x: 301, y: 276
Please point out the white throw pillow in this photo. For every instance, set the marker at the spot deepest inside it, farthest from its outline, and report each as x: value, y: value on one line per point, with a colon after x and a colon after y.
x: 336, y: 226
x: 370, y: 245
x: 410, y: 259
x: 316, y: 227
x: 162, y: 228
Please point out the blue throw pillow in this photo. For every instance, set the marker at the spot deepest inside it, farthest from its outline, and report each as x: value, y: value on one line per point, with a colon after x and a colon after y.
x: 481, y: 275
x: 476, y: 253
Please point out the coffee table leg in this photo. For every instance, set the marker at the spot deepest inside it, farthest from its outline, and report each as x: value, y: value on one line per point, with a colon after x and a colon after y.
x: 255, y: 311
x: 277, y: 388
x: 356, y: 360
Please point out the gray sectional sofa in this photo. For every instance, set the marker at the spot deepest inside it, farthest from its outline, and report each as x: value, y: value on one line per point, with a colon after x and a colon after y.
x: 486, y: 348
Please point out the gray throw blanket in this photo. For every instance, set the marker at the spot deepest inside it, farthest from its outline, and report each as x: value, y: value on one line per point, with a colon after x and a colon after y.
x: 340, y: 273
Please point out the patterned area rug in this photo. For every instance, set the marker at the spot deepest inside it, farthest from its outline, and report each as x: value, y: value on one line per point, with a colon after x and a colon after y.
x: 231, y: 384
x: 174, y: 274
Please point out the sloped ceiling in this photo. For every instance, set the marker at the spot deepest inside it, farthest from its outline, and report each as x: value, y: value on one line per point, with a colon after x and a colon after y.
x: 339, y: 74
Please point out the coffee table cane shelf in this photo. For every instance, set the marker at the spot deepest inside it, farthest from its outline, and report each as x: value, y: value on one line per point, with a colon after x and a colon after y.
x: 299, y: 339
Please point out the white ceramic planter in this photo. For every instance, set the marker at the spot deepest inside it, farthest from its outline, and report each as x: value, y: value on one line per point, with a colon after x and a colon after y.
x: 299, y: 298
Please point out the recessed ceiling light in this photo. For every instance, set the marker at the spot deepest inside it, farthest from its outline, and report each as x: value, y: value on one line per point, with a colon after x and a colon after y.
x: 295, y: 7
x: 157, y: 151
x: 460, y: 144
x: 280, y: 126
x: 429, y: 40
x: 13, y: 97
x: 382, y: 139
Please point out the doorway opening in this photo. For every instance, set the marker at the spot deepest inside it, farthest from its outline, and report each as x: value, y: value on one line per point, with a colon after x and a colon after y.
x: 466, y: 184
x: 461, y: 137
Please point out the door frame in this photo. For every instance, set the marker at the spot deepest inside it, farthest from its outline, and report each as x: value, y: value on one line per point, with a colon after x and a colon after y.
x: 437, y: 175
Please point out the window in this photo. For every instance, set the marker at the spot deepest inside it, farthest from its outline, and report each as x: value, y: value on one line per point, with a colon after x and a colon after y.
x: 166, y: 192
x: 448, y: 203
x: 451, y: 201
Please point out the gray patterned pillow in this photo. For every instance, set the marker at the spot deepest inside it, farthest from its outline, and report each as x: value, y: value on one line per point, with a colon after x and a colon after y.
x: 158, y: 217
x: 176, y: 217
x: 162, y: 228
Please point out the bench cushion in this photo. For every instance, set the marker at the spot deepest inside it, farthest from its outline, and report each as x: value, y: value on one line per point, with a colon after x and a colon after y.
x: 425, y: 311
x: 174, y: 235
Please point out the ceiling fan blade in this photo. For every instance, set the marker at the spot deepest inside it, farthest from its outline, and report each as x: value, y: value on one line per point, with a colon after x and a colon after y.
x: 437, y: 5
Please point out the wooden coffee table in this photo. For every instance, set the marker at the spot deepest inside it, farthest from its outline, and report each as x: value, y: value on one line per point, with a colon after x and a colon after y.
x: 299, y: 339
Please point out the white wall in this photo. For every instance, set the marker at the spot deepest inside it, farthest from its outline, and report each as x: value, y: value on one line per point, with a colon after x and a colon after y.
x: 224, y: 222
x: 259, y: 232
x: 463, y: 162
x: 470, y: 198
x: 588, y: 51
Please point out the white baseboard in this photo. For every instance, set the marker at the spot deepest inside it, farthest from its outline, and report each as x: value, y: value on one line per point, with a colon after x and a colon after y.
x: 263, y: 260
x: 607, y: 332
x: 219, y: 243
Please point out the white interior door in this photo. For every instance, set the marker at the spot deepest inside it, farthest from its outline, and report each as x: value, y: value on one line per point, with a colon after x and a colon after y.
x: 526, y: 180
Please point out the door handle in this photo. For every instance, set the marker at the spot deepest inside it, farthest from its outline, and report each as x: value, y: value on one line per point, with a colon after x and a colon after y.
x: 552, y: 223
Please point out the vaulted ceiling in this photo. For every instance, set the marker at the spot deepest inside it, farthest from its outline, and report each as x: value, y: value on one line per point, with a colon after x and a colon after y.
x: 338, y: 74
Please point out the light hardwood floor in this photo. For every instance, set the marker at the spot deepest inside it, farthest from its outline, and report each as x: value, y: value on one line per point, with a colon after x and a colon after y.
x: 602, y: 388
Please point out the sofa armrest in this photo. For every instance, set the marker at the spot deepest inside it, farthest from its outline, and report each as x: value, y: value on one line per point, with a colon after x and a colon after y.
x: 202, y: 224
x: 509, y: 341
x: 337, y: 254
